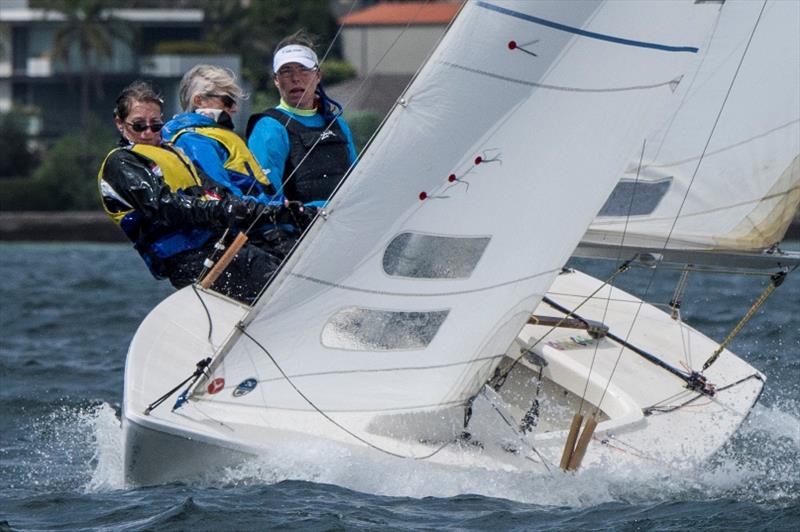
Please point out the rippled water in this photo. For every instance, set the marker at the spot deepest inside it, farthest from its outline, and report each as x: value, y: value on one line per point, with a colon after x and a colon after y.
x: 68, y: 312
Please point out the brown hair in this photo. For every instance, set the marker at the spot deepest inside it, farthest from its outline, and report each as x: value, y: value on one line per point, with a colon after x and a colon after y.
x: 138, y: 91
x: 299, y: 37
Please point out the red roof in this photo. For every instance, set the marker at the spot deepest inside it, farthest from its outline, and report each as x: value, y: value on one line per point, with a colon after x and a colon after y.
x: 395, y: 13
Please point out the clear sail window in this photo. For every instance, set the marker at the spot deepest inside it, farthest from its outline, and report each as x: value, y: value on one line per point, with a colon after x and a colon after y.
x: 635, y: 198
x: 433, y: 257
x: 362, y: 329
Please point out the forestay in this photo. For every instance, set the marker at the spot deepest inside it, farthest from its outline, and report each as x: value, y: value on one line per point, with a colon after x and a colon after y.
x: 470, y: 199
x: 722, y: 172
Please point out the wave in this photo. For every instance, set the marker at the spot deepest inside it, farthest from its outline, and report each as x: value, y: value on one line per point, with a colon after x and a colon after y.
x: 81, y: 449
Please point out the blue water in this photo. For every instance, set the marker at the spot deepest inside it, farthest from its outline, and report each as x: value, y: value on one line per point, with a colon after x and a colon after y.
x: 68, y: 312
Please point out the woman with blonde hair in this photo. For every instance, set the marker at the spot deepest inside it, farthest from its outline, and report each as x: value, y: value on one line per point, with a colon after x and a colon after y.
x: 209, y: 96
x: 165, y: 207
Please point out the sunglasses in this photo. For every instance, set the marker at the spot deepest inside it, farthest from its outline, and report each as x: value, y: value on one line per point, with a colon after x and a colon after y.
x: 227, y: 100
x: 140, y: 127
x: 285, y: 72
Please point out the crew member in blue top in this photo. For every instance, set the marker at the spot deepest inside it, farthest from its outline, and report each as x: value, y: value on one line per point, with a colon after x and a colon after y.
x: 171, y: 212
x: 209, y: 96
x: 304, y: 141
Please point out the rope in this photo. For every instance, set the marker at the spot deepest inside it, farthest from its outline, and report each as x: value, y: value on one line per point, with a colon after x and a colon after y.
x: 499, y: 379
x: 516, y: 432
x: 201, y: 367
x: 667, y: 409
x: 677, y: 297
x: 330, y: 419
x: 775, y: 281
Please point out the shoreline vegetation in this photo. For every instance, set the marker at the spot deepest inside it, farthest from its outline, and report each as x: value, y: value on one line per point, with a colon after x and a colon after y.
x: 95, y: 226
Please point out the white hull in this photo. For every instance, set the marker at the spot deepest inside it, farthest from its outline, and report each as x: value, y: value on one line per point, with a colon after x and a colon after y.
x: 199, y: 437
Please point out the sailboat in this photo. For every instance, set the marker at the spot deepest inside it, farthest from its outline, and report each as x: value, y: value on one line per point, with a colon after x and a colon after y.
x: 426, y: 314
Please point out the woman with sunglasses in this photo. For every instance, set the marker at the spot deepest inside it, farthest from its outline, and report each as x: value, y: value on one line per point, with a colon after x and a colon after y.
x: 209, y: 96
x: 304, y: 143
x: 160, y: 201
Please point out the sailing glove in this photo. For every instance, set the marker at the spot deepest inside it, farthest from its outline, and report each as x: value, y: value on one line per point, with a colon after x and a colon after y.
x: 242, y: 213
x: 296, y: 214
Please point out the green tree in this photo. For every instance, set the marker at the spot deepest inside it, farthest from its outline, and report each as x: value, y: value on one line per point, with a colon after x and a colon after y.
x: 16, y: 160
x: 255, y: 29
x: 90, y: 29
x: 68, y: 173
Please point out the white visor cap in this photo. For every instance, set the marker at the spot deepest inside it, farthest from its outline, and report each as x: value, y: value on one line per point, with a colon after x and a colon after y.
x: 294, y: 53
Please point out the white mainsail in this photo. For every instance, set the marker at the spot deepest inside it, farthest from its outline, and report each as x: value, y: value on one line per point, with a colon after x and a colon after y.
x: 721, y: 172
x: 441, y: 242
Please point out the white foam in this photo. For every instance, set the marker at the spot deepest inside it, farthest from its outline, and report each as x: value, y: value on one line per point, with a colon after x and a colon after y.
x: 757, y: 465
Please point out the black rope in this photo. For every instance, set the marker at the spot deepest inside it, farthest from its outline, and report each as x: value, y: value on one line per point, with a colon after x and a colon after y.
x: 694, y: 380
x: 667, y: 409
x: 201, y: 366
x: 208, y: 314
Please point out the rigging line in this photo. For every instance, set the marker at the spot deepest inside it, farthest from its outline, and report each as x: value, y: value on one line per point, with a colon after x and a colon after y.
x: 348, y: 102
x: 514, y: 430
x: 330, y: 419
x: 208, y: 314
x: 694, y: 380
x: 501, y: 378
x: 369, y: 142
x: 620, y: 249
x: 200, y: 369
x: 559, y: 87
x: 709, y: 270
x: 671, y: 398
x: 724, y: 148
x: 421, y: 294
x: 382, y: 370
x: 688, y: 90
x: 711, y: 134
x: 743, y: 203
x: 686, y: 195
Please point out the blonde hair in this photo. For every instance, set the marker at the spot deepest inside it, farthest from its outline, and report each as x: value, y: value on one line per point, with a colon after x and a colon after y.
x: 204, y: 80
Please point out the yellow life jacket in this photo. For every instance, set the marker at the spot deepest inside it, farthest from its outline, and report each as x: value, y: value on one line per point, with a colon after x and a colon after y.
x: 238, y: 152
x: 176, y: 169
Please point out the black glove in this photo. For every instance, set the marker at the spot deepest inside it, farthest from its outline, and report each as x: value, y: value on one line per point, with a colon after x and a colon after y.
x: 242, y: 213
x: 296, y: 214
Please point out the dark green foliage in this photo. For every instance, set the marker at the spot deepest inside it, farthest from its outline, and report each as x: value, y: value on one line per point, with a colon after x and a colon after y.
x: 84, y: 39
x: 337, y: 70
x: 16, y: 160
x: 187, y: 47
x: 254, y: 31
x: 67, y: 177
x: 362, y: 125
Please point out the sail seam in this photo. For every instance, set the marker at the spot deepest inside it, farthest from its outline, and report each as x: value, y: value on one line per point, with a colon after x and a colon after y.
x: 584, y: 33
x: 560, y: 87
x: 420, y: 294
x: 724, y: 148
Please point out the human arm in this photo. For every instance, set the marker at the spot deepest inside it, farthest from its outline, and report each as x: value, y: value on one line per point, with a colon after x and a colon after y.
x: 142, y: 188
x: 269, y: 144
x: 351, y: 146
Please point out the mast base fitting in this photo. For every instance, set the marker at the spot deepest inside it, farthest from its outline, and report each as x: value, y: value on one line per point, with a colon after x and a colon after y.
x: 699, y: 383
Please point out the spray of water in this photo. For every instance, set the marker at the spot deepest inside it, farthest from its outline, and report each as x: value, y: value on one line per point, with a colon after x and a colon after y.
x: 82, y: 449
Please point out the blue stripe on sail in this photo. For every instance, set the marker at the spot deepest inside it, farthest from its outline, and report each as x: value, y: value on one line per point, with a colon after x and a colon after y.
x: 584, y: 33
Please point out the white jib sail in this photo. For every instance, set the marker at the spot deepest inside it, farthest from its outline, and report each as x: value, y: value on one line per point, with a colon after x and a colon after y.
x: 723, y: 170
x: 471, y: 198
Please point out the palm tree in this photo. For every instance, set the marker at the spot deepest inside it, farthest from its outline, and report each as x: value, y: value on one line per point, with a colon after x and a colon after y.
x: 91, y: 30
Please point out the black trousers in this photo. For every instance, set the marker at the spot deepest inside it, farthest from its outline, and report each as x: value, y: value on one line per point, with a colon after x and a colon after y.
x: 247, y: 273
